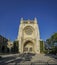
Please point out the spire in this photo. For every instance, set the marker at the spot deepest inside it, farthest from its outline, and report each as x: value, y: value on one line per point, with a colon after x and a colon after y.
x: 35, y: 20
x: 21, y: 20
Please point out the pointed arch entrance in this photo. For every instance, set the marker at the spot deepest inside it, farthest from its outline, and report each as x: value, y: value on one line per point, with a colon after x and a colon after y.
x: 28, y: 47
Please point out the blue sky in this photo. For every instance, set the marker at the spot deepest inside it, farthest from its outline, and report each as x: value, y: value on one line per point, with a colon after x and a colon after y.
x: 11, y: 12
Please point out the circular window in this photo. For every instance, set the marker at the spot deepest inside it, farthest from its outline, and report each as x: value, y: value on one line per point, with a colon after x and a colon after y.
x: 28, y: 30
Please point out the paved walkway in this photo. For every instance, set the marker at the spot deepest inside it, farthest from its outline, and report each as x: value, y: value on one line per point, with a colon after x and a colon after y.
x: 16, y: 59
x: 8, y: 55
x: 44, y: 58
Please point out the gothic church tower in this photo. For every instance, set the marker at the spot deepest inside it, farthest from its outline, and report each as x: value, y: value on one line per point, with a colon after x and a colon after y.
x: 28, y: 36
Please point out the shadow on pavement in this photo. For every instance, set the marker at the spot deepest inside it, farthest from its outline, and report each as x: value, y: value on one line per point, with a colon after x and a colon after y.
x: 52, y: 56
x: 16, y: 59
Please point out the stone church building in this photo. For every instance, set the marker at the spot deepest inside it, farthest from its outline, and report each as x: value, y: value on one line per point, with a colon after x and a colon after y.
x: 28, y: 36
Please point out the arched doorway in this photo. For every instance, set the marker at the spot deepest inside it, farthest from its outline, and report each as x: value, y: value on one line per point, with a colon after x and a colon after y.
x: 28, y: 47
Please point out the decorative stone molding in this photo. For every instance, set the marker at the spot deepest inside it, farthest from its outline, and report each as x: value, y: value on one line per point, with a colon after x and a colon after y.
x: 29, y: 32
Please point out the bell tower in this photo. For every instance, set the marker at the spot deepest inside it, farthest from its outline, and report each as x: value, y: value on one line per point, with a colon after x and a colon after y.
x: 28, y: 36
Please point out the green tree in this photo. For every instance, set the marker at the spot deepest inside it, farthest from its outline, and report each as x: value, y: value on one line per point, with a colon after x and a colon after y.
x: 41, y: 46
x: 15, y: 46
x: 51, y: 41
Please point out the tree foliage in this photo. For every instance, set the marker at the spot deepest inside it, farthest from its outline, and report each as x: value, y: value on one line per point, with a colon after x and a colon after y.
x: 52, y: 39
x: 41, y: 46
x: 15, y: 46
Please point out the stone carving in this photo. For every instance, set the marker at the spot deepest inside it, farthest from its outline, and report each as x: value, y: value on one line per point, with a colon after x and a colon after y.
x: 28, y: 36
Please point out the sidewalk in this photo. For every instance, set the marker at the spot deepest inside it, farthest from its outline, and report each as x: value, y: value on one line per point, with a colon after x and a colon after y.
x: 43, y: 58
x: 8, y: 55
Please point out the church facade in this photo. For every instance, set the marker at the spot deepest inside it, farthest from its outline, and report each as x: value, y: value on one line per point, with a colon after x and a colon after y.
x: 28, y: 36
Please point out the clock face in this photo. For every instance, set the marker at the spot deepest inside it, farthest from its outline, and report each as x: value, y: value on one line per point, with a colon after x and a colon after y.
x: 28, y: 30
